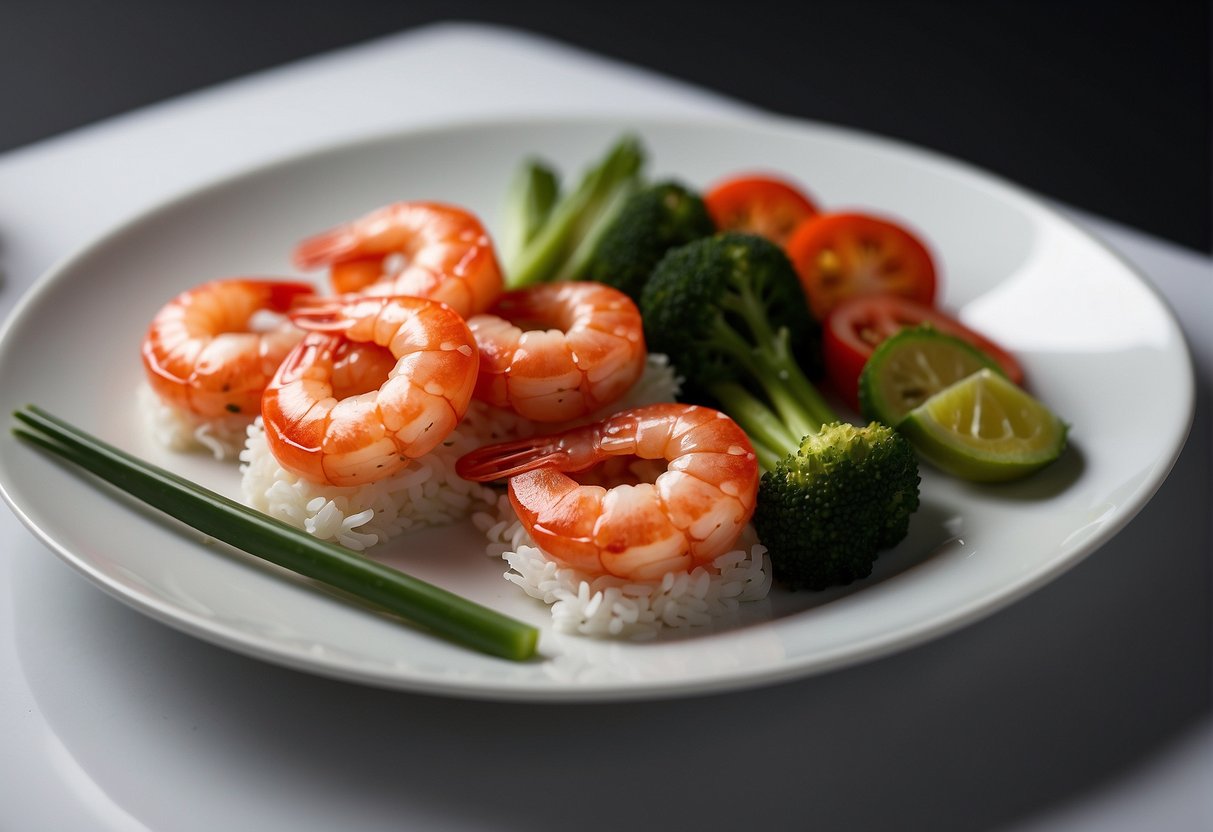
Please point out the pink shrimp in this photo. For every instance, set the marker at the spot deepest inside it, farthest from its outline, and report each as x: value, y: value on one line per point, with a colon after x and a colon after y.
x: 422, y: 249
x: 559, y: 351
x: 330, y: 424
x: 203, y: 354
x: 691, y: 514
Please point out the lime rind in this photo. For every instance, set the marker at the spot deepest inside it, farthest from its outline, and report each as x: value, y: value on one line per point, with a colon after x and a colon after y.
x: 985, y: 428
x: 912, y: 365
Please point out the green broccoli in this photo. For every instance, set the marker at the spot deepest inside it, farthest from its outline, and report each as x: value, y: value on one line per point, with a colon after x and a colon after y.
x: 827, y: 509
x: 655, y: 219
x: 729, y: 312
x: 730, y: 307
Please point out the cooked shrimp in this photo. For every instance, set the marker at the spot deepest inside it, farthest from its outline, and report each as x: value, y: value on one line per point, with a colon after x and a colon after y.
x: 423, y: 249
x: 332, y: 424
x: 558, y: 351
x: 692, y: 513
x: 202, y: 352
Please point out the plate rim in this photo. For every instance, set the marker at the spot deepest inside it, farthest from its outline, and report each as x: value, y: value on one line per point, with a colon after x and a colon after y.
x: 872, y: 648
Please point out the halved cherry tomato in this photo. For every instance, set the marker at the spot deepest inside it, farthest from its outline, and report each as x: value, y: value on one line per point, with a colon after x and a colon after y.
x: 856, y: 326
x: 759, y: 204
x: 842, y: 255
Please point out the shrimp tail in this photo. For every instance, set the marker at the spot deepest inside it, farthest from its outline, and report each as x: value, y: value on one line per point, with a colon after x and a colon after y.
x: 284, y: 295
x: 326, y: 247
x: 564, y: 452
x: 321, y: 314
x: 495, y: 462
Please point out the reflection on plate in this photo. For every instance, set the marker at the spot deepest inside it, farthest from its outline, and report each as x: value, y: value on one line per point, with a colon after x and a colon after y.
x: 1091, y: 335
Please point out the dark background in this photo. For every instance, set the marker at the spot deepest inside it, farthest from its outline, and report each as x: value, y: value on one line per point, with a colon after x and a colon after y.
x: 1104, y: 106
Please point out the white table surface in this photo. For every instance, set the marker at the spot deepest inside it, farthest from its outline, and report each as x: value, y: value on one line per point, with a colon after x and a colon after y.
x: 1085, y: 706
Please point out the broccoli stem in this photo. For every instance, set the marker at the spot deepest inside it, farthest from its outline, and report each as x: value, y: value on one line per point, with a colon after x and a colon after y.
x: 767, y: 459
x: 756, y: 419
x: 768, y: 359
x: 574, y: 214
x: 579, y: 258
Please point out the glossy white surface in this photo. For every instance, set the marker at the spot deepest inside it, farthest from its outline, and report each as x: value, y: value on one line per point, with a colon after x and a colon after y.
x: 1089, y: 331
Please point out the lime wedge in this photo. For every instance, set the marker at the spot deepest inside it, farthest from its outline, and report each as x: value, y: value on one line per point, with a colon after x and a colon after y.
x: 912, y: 365
x: 985, y: 428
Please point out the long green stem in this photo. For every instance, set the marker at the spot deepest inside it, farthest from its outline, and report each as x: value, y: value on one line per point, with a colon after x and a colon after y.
x: 767, y: 458
x: 755, y: 418
x: 530, y: 198
x: 579, y: 256
x: 770, y: 437
x: 574, y: 214
x: 793, y: 396
x: 767, y: 356
x: 436, y: 609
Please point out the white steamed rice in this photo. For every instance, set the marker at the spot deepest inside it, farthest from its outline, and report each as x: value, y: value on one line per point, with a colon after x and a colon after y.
x: 607, y: 606
x: 180, y: 430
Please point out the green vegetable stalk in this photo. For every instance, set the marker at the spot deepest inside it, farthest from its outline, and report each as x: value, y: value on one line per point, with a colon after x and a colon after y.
x: 551, y: 246
x: 439, y: 611
x: 530, y: 198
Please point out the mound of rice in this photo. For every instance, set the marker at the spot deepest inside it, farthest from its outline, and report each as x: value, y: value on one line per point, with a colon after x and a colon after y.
x: 179, y: 430
x: 427, y: 493
x: 430, y: 493
x: 607, y: 606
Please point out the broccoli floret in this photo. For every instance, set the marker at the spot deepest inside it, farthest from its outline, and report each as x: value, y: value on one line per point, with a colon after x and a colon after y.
x: 652, y: 221
x: 729, y: 312
x: 729, y: 307
x: 829, y: 508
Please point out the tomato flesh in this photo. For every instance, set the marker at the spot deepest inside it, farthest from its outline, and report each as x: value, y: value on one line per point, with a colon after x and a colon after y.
x: 855, y: 327
x: 758, y: 204
x: 843, y: 255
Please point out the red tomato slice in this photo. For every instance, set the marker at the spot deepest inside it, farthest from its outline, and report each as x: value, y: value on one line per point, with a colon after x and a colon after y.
x: 842, y: 255
x: 756, y: 204
x: 856, y: 326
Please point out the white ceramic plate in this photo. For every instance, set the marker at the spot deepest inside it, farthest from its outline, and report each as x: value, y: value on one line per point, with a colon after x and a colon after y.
x: 1092, y: 335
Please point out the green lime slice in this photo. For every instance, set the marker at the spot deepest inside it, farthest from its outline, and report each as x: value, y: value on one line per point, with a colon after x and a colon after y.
x: 912, y: 365
x: 985, y: 428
